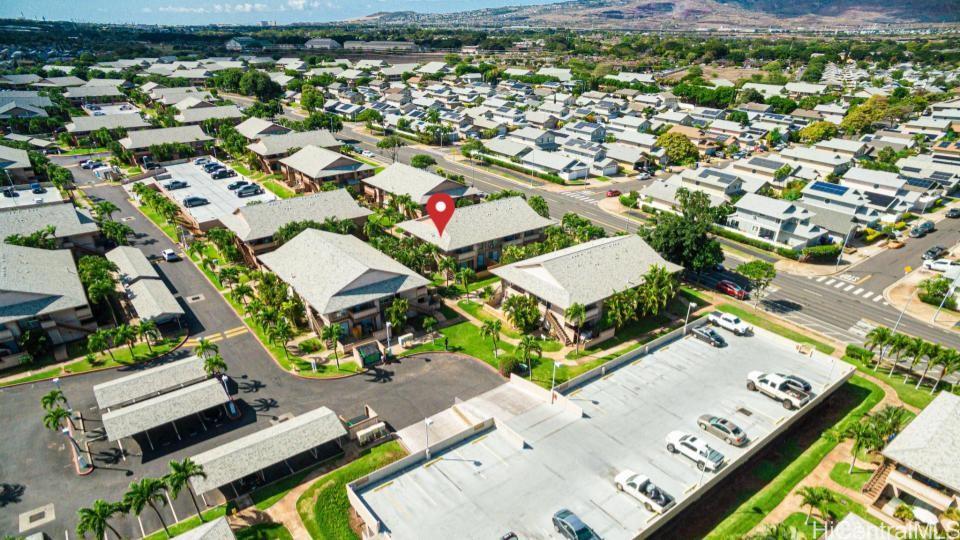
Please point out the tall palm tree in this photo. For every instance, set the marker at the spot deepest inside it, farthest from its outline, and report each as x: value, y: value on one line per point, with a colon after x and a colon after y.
x: 949, y: 363
x: 491, y: 329
x: 53, y: 419
x: 934, y: 354
x: 331, y: 334
x: 243, y: 292
x: 125, y: 334
x: 99, y: 341
x: 148, y: 331
x: 527, y: 348
x: 205, y: 347
x: 864, y: 435
x: 778, y: 531
x: 281, y: 332
x: 918, y: 349
x: 96, y: 519
x: 576, y: 314
x: 447, y: 266
x: 880, y: 336
x: 146, y: 492
x: 181, y: 472
x: 811, y: 497
x: 214, y: 365
x: 899, y: 344
x: 53, y: 398
x: 889, y: 421
x: 464, y: 276
x: 658, y: 287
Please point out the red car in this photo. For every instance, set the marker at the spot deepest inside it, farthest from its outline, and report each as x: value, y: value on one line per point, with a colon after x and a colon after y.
x: 614, y: 193
x: 730, y: 288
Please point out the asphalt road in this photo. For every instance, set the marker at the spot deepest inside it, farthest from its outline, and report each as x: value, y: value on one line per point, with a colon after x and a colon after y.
x: 42, y: 474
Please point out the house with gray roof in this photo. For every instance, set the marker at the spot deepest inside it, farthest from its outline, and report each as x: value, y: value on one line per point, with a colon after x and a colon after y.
x: 586, y: 274
x: 217, y: 529
x: 146, y: 292
x: 271, y: 149
x: 476, y: 235
x: 25, y: 97
x: 343, y: 280
x: 93, y: 94
x: 197, y: 115
x: 19, y: 81
x: 776, y: 221
x: 139, y: 142
x: 254, y: 128
x: 75, y: 227
x: 312, y: 166
x: 12, y: 109
x: 15, y: 165
x: 418, y: 184
x: 81, y: 126
x: 40, y: 290
x: 255, y: 225
x: 920, y: 466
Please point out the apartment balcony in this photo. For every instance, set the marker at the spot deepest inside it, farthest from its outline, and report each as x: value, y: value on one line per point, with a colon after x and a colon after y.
x: 928, y: 494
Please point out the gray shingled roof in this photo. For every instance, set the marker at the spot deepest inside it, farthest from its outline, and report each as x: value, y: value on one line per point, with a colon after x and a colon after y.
x: 275, y: 145
x: 257, y: 451
x: 333, y: 272
x: 149, y: 382
x: 93, y: 91
x: 132, y: 263
x: 586, y: 273
x: 929, y: 444
x: 316, y: 162
x: 84, y: 124
x: 69, y: 220
x: 153, y: 301
x: 199, y: 114
x: 13, y: 158
x: 163, y: 409
x: 145, y: 138
x: 217, y: 529
x: 401, y: 179
x: 24, y: 97
x: 47, y: 280
x: 478, y: 223
x: 252, y: 127
x: 262, y: 220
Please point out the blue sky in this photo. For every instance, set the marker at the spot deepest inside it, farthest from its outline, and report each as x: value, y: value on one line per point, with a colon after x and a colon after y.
x: 227, y: 11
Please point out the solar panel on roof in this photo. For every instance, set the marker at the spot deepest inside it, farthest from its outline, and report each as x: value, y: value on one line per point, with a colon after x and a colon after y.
x: 920, y: 182
x: 941, y: 175
x: 832, y: 189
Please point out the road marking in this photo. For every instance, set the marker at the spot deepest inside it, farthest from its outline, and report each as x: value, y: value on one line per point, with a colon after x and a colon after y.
x: 867, y: 295
x: 821, y: 278
x: 877, y: 298
x: 831, y: 282
x: 848, y: 287
x: 235, y: 331
x: 858, y: 291
x: 839, y: 284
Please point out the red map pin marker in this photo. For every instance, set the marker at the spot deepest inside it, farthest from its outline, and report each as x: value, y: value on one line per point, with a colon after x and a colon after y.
x: 440, y: 208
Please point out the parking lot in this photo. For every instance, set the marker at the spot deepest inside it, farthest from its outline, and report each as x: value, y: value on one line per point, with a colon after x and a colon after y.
x: 222, y: 200
x: 111, y: 108
x: 541, y: 458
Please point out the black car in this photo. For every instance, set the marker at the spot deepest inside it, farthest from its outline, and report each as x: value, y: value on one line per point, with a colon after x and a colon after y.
x: 237, y: 185
x: 191, y: 202
x: 10, y: 193
x: 953, y: 213
x: 572, y: 527
x: 39, y: 190
x: 249, y: 191
x: 710, y: 336
x: 934, y: 253
x: 212, y: 165
x: 176, y: 184
x: 222, y: 173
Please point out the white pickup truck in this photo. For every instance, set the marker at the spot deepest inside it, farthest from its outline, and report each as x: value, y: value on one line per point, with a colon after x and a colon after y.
x: 730, y: 322
x: 778, y: 387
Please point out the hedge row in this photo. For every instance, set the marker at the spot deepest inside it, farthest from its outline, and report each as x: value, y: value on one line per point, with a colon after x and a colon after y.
x: 814, y: 253
x: 519, y: 168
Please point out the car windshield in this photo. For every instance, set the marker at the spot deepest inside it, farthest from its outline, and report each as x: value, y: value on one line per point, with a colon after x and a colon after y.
x: 734, y: 319
x: 713, y: 455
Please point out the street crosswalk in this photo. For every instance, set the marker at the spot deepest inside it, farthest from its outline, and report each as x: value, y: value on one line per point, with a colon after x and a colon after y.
x: 585, y: 195
x: 219, y: 336
x: 844, y: 285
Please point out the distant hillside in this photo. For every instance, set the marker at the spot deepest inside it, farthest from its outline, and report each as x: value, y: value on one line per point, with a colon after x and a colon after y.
x: 649, y: 14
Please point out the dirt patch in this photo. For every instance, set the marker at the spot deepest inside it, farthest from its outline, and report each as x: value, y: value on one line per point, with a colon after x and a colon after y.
x: 701, y: 517
x: 731, y: 73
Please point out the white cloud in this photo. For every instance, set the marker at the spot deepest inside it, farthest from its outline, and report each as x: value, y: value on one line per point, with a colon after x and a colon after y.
x: 246, y: 7
x: 182, y: 9
x: 147, y: 10
x: 297, y: 4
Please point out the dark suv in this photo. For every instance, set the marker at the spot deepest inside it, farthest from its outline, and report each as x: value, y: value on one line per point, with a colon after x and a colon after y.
x: 222, y: 173
x: 571, y: 527
x: 249, y: 191
x: 934, y: 253
x: 709, y: 336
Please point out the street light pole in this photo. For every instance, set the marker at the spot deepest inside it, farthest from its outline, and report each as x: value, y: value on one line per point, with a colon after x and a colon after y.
x: 950, y: 291
x: 388, y: 336
x: 844, y: 246
x: 687, y: 319
x: 553, y: 383
x: 427, y: 422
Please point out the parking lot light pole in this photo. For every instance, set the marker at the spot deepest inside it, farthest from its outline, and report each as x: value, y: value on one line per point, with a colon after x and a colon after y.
x: 687, y: 319
x: 82, y: 463
x: 553, y: 383
x: 427, y: 422
x: 844, y: 246
x: 950, y: 291
x: 388, y: 326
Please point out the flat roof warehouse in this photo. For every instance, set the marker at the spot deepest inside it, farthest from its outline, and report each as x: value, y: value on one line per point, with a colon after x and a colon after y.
x: 519, y: 459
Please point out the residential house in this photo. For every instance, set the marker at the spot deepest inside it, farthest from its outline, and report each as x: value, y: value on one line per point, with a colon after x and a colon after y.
x: 312, y: 166
x: 533, y: 137
x: 197, y: 115
x: 589, y: 131
x: 775, y: 221
x: 75, y: 228
x: 272, y: 148
x: 138, y: 142
x: 922, y: 170
x: 93, y: 94
x: 838, y: 209
x: 82, y: 126
x: 556, y: 163
x: 400, y: 179
x: 16, y: 166
x: 844, y: 147
x: 254, y: 128
x: 819, y: 163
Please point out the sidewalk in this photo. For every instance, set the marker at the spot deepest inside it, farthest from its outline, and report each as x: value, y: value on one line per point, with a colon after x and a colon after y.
x: 904, y: 293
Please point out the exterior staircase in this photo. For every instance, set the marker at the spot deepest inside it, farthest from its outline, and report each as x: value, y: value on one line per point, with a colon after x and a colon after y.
x: 875, y: 485
x: 558, y: 328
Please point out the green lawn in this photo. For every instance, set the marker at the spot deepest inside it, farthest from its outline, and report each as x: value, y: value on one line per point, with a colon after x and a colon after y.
x: 167, y: 228
x: 187, y: 524
x: 694, y: 295
x: 324, y: 508
x: 854, y: 481
x: 812, y: 528
x: 465, y: 338
x: 475, y: 309
x: 84, y: 151
x: 637, y: 331
x: 905, y: 391
x: 264, y: 531
x: 122, y: 356
x: 279, y: 189
x: 759, y: 320
x: 787, y: 468
x: 799, y: 522
x: 269, y: 495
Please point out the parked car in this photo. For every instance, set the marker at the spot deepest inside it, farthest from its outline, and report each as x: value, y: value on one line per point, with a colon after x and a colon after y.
x: 935, y: 252
x: 709, y: 336
x: 39, y: 190
x: 613, y: 193
x: 795, y: 381
x: 170, y: 255
x: 732, y: 289
x: 237, y: 185
x: 940, y: 265
x: 730, y: 322
x: 201, y: 161
x: 722, y: 428
x: 249, y: 191
x: 921, y: 230
x: 175, y: 184
x: 694, y: 449
x: 191, y: 202
x: 644, y: 490
x: 367, y: 153
x: 10, y: 193
x: 571, y: 527
x: 90, y: 164
x: 776, y: 387
x: 222, y: 173
x: 953, y: 213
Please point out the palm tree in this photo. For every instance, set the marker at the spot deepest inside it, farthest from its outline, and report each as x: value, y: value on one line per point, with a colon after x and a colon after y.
x: 815, y: 497
x: 397, y: 313
x: 282, y: 332
x: 242, y: 292
x: 576, y: 314
x: 659, y: 286
x: 125, y: 334
x: 146, y: 492
x: 214, y: 365
x: 53, y: 419
x: 491, y: 329
x: 864, y: 435
x: 889, y: 421
x: 53, y: 398
x: 99, y: 341
x: 147, y: 331
x: 331, y: 334
x: 949, y: 363
x: 464, y: 276
x: 105, y: 210
x: 899, y: 344
x: 181, y: 472
x: 904, y: 513
x: 204, y: 347
x: 228, y: 276
x: 779, y: 531
x: 918, y: 349
x: 880, y: 336
x: 96, y: 519
x: 195, y: 249
x: 934, y: 354
x: 447, y: 265
x: 528, y: 347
